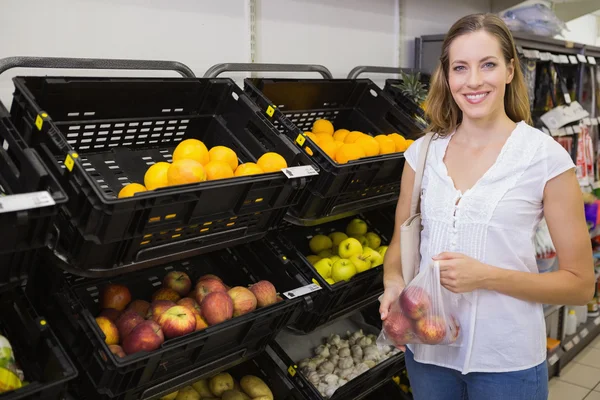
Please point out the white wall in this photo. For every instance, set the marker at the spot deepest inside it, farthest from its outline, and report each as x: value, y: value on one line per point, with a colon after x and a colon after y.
x: 583, y: 30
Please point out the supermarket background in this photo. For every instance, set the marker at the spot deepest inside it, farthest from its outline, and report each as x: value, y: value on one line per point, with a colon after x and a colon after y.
x: 69, y: 145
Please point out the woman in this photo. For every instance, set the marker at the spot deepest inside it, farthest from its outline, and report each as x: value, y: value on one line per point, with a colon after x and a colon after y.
x: 488, y: 179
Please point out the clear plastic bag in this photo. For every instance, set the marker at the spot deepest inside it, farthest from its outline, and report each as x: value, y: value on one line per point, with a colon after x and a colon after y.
x: 535, y: 18
x: 425, y: 313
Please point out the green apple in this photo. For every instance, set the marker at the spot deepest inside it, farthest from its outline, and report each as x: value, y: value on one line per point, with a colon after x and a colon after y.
x: 374, y: 240
x: 335, y: 258
x: 319, y: 243
x: 343, y: 270
x: 313, y: 259
x: 382, y: 250
x: 337, y: 238
x: 363, y: 241
x: 349, y: 248
x: 356, y: 227
x: 330, y: 281
x: 360, y: 263
x: 326, y: 254
x: 323, y: 267
x: 373, y: 256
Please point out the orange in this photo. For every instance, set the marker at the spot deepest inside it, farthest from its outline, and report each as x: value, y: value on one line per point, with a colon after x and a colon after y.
x: 340, y: 134
x: 386, y: 145
x: 352, y: 136
x: 218, y: 170
x: 324, y: 138
x: 156, y: 176
x: 311, y: 135
x: 183, y: 172
x: 349, y: 152
x: 330, y: 148
x: 271, y: 162
x: 369, y: 145
x: 399, y: 141
x: 111, y: 333
x: 191, y: 149
x: 225, y: 154
x: 130, y: 190
x: 248, y: 168
x: 338, y: 144
x: 409, y: 142
x: 322, y: 126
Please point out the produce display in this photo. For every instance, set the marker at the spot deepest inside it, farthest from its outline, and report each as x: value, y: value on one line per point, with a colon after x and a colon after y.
x: 339, y: 256
x: 338, y: 361
x: 343, y: 145
x: 193, y: 163
x: 223, y: 386
x: 11, y: 377
x: 176, y: 309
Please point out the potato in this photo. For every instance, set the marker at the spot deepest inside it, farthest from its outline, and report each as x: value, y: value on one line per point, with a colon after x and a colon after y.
x: 262, y: 398
x: 255, y: 387
x: 170, y: 396
x: 187, y: 393
x: 220, y: 383
x: 234, y: 395
x: 201, y: 387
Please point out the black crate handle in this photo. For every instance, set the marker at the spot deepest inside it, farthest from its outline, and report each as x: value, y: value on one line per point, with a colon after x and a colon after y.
x: 365, y: 69
x: 218, y: 69
x: 94, y: 63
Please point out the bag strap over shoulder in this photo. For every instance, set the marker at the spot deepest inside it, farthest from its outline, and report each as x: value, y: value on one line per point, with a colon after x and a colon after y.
x: 415, y: 204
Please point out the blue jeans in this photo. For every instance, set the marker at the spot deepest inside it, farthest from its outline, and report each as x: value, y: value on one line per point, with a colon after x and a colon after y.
x: 430, y: 382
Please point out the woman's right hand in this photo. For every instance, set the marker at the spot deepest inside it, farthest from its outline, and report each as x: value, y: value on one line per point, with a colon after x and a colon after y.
x: 390, y: 295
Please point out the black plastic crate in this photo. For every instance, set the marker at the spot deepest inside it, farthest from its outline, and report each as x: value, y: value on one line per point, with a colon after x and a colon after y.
x: 353, y: 104
x: 37, y: 351
x: 70, y: 303
x: 407, y: 104
x: 99, y: 134
x: 26, y: 183
x: 289, y: 248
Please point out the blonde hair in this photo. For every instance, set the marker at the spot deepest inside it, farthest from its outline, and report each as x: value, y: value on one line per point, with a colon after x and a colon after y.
x: 443, y: 112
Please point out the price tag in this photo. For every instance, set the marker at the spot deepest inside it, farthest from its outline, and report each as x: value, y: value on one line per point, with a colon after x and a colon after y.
x: 545, y: 56
x: 576, y: 128
x: 567, y: 98
x: 553, y: 359
x: 594, y: 121
x: 569, y: 346
x: 555, y: 58
x: 584, y: 332
x: 576, y: 339
x: 592, y: 60
x: 582, y: 58
x: 301, y: 291
x: 563, y: 59
x: 597, y: 321
x: 587, y: 121
x: 298, y: 172
x: 19, y: 202
x: 573, y: 60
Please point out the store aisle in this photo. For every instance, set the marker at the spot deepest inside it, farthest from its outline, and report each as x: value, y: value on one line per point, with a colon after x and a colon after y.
x: 580, y: 379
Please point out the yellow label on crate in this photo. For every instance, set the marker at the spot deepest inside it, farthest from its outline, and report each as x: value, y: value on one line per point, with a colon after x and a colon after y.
x: 300, y: 139
x: 69, y: 162
x: 270, y: 111
x: 315, y: 282
x: 39, y: 122
x: 292, y: 370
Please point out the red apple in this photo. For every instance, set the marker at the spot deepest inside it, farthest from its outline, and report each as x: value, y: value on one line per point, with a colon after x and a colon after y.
x: 110, y: 313
x: 157, y: 308
x: 217, y: 307
x: 177, y: 321
x: 117, y: 350
x: 244, y: 300
x: 415, y: 302
x: 139, y: 306
x: 265, y: 293
x: 431, y: 329
x: 147, y: 336
x: 127, y: 321
x: 178, y: 281
x: 189, y: 303
x: 204, y: 287
x: 399, y: 328
x: 166, y: 294
x: 208, y: 276
x: 115, y: 296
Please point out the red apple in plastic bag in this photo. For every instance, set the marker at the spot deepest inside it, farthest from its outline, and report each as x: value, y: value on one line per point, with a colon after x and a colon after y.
x: 415, y: 302
x: 431, y: 330
x: 399, y: 328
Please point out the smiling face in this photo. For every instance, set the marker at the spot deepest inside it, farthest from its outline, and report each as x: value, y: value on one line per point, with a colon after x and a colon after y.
x: 478, y: 75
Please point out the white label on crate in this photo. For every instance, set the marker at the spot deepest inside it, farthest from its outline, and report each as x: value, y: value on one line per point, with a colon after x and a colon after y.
x: 564, y: 59
x: 19, y: 202
x: 582, y: 58
x: 567, y: 98
x: 569, y: 346
x: 587, y: 121
x: 298, y: 172
x: 573, y: 60
x: 545, y: 56
x: 597, y: 321
x: 592, y: 60
x: 584, y: 332
x: 301, y: 291
x: 576, y: 339
x: 553, y: 359
x: 555, y: 132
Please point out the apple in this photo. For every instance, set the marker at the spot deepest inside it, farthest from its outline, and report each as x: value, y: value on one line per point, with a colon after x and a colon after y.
x: 117, y: 350
x: 360, y: 263
x: 431, y: 330
x: 312, y: 259
x: 382, y: 250
x: 115, y: 296
x: 244, y: 300
x: 399, y: 328
x: 208, y: 276
x: 265, y: 293
x: 415, y: 302
x: 356, y: 227
x: 207, y: 286
x: 110, y: 313
x: 178, y: 281
x: 217, y: 307
x: 323, y: 267
x: 166, y: 294
x: 330, y: 281
x: 177, y: 321
x: 337, y: 238
x: 189, y: 303
x: 363, y: 241
x: 350, y: 247
x: 200, y: 322
x: 139, y: 306
x: 326, y: 254
x: 110, y: 331
x: 373, y: 239
x: 147, y: 336
x: 373, y: 256
x: 127, y: 321
x: 334, y: 258
x: 157, y: 308
x: 343, y: 270
x: 318, y: 243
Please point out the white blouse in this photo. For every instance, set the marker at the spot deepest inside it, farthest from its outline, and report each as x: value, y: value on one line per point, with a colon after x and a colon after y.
x: 493, y: 222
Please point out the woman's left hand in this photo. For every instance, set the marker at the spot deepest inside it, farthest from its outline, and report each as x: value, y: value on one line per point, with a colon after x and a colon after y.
x: 461, y: 274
